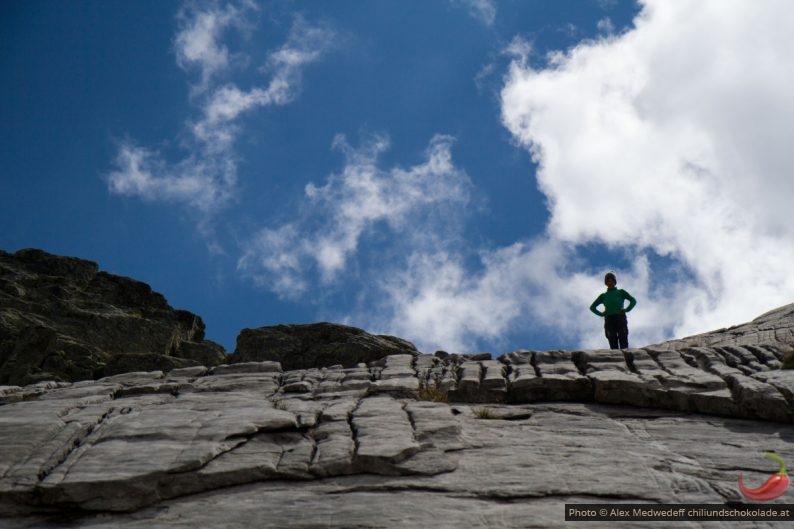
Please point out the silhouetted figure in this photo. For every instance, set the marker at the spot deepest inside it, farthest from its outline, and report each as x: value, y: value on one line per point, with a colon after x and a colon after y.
x: 616, y: 327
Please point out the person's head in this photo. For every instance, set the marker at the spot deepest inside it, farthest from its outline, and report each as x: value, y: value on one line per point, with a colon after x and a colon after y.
x: 610, y: 280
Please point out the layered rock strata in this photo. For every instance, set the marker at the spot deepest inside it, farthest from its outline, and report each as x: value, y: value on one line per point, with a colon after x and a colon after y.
x: 63, y: 319
x: 132, y: 440
x: 775, y: 326
x: 125, y: 442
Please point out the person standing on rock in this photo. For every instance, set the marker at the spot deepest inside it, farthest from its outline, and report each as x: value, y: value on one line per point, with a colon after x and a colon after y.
x: 616, y: 326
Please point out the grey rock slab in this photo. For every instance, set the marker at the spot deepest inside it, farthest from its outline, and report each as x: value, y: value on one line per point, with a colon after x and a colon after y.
x: 334, y: 438
x: 339, y: 410
x: 356, y: 384
x: 741, y: 357
x: 83, y: 394
x: 356, y: 373
x: 425, y: 362
x: 782, y: 380
x: 307, y: 411
x: 252, y: 460
x: 340, y: 394
x: 765, y: 355
x: 263, y: 383
x: 511, y: 474
x: 440, y: 377
x: 435, y: 425
x: 493, y: 375
x: 428, y: 463
x: 683, y: 374
x: 296, y: 457
x: 133, y: 378
x: 613, y: 382
x: 384, y: 434
x: 759, y: 399
x: 298, y: 387
x: 559, y: 379
x: 188, y: 372
x: 334, y: 455
x: 31, y: 391
x: 246, y: 367
x: 776, y: 326
x: 327, y: 429
x: 470, y: 374
x: 36, y: 436
x: 406, y: 387
x: 522, y: 375
x: 751, y: 397
x: 397, y: 366
x: 200, y: 428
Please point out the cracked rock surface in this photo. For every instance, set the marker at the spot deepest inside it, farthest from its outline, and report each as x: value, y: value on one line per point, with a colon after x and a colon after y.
x: 518, y: 437
x: 515, y: 470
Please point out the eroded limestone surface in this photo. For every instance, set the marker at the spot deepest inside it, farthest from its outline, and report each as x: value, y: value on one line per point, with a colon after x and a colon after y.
x: 130, y: 441
x: 133, y: 440
x: 516, y: 470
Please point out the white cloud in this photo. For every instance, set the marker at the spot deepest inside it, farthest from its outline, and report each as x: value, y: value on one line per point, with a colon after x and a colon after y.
x: 306, y: 44
x: 206, y: 178
x: 669, y: 140
x: 674, y: 138
x: 197, y: 43
x: 439, y: 300
x: 482, y: 10
x: 204, y: 183
x: 415, y: 204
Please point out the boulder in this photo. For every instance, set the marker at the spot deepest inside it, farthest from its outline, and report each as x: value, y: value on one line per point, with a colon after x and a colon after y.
x: 63, y: 319
x: 316, y: 345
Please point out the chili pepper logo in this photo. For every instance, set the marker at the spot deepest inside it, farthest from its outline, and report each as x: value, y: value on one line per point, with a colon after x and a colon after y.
x: 774, y: 486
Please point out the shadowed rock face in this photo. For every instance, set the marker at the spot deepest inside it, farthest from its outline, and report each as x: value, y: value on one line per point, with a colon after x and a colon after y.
x: 62, y: 319
x: 316, y: 345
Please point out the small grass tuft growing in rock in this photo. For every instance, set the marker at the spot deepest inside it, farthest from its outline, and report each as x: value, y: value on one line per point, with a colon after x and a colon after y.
x: 788, y: 362
x: 433, y: 393
x: 483, y: 413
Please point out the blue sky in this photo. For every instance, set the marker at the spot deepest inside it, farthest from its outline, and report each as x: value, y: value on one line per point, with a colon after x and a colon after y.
x: 460, y: 173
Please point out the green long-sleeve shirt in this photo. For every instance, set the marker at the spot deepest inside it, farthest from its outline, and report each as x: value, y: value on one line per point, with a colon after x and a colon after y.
x: 612, y: 300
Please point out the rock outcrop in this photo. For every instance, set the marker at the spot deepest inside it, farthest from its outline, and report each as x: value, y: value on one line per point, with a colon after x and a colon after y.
x: 511, y: 441
x: 62, y: 319
x: 407, y: 440
x: 316, y: 345
x: 775, y: 326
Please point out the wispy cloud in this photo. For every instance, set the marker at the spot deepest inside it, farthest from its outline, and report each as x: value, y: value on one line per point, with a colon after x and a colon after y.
x: 206, y: 178
x: 441, y: 300
x: 198, y: 44
x: 202, y: 182
x: 415, y: 205
x: 482, y: 10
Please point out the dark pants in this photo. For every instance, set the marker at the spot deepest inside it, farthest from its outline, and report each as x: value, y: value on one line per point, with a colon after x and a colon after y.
x: 616, y: 327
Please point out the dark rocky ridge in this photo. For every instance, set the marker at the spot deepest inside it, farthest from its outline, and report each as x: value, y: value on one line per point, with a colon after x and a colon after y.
x: 62, y: 319
x: 316, y: 345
